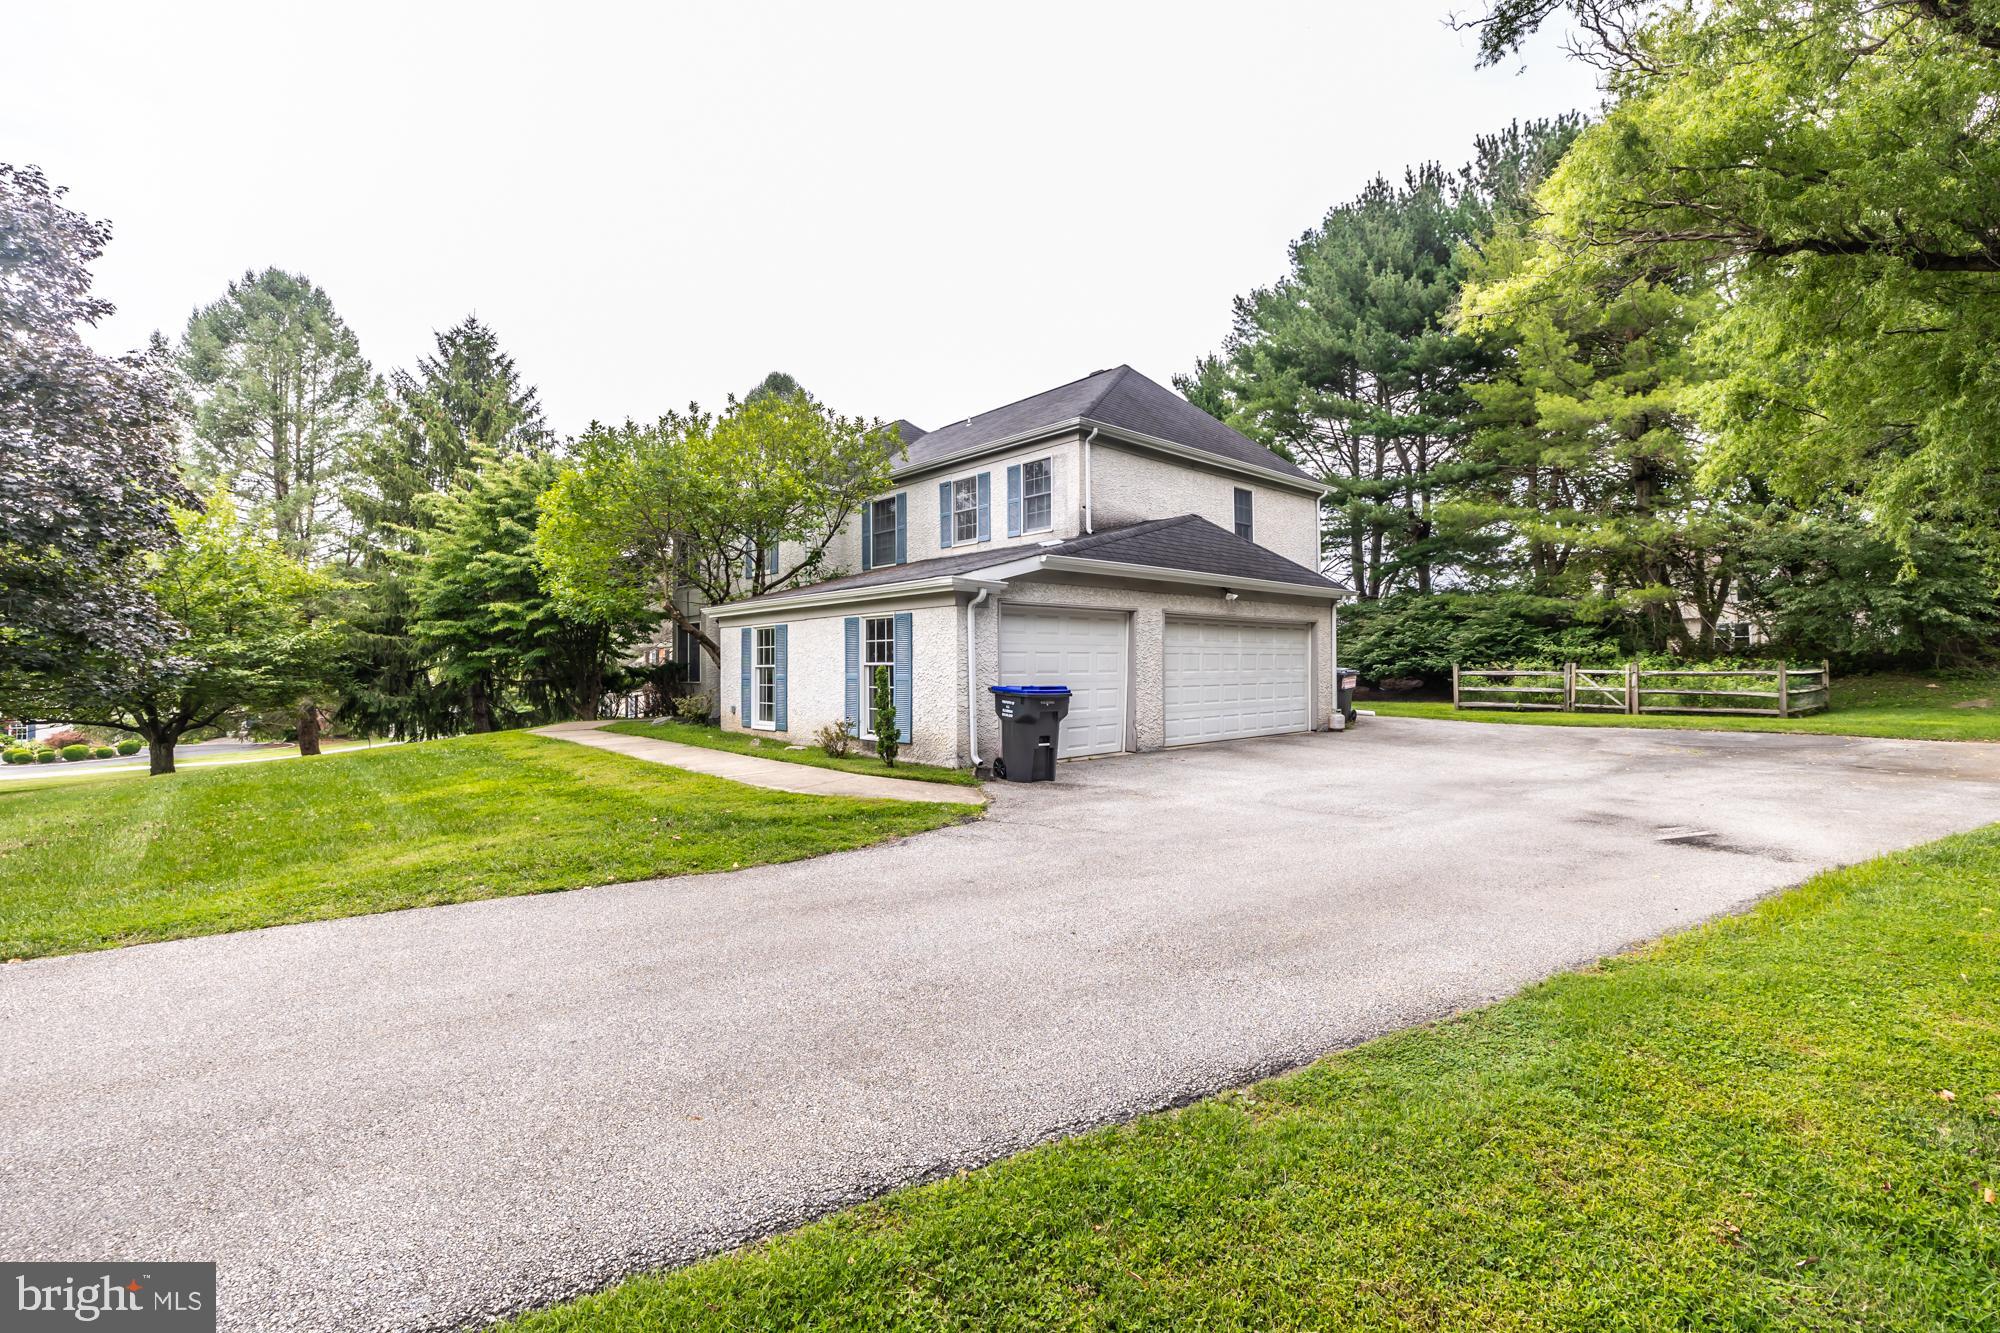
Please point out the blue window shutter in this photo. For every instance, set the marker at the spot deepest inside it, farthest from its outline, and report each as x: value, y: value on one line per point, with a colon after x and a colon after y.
x: 899, y: 679
x: 778, y: 676
x: 868, y: 535
x: 771, y: 559
x: 902, y: 526
x: 985, y: 506
x: 743, y: 665
x: 944, y: 513
x: 1014, y: 500
x: 854, y: 673
x: 749, y: 565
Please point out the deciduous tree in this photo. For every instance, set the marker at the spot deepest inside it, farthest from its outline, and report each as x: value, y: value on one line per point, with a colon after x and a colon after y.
x: 1831, y: 166
x: 249, y: 635
x: 693, y: 500
x: 87, y: 459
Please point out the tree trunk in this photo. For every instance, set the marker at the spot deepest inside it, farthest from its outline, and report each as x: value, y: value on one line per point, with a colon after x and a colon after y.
x: 160, y: 754
x: 482, y: 708
x: 308, y: 727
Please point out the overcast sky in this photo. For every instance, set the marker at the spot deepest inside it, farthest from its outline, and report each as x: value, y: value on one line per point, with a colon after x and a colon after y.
x: 919, y: 210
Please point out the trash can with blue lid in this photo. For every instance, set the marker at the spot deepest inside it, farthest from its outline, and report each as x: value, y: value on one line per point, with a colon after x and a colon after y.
x: 1030, y: 722
x: 1344, y: 691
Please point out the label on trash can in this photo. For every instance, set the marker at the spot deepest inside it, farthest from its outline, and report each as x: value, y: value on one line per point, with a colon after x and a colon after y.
x: 1007, y: 709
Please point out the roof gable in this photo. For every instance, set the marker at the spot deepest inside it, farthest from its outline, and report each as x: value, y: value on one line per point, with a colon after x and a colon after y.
x: 1120, y: 398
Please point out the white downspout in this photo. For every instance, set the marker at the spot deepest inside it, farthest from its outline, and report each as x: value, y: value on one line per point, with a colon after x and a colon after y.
x: 972, y: 677
x: 1086, y: 479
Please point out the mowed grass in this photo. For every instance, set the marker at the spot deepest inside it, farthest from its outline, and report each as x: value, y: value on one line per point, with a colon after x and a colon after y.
x: 104, y: 770
x: 1928, y: 708
x: 715, y: 738
x: 91, y: 866
x: 1786, y: 1120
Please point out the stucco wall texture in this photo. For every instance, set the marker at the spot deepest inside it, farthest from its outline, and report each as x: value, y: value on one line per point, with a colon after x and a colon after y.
x: 1128, y: 487
x: 816, y: 674
x: 921, y: 539
x: 816, y: 659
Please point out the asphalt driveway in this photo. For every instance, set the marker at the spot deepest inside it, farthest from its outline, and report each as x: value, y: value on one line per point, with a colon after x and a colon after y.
x: 420, y: 1119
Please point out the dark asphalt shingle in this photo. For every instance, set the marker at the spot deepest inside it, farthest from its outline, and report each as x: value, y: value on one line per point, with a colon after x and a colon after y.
x: 1121, y: 398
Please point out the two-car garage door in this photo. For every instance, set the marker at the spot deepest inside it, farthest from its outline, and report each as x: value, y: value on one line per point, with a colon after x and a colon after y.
x: 1227, y: 679
x: 1222, y: 679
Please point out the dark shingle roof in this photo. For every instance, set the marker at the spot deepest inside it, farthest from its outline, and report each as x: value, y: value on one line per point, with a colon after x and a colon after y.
x: 1187, y: 543
x: 1121, y: 398
x: 1192, y: 543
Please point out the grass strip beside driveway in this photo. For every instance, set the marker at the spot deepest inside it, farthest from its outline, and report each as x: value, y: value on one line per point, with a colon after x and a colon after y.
x: 232, y: 847
x: 1923, y: 708
x: 715, y: 738
x: 1789, y: 1119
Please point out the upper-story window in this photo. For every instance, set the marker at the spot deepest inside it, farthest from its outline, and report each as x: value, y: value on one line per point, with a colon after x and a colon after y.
x: 965, y: 510
x: 1037, y: 496
x: 1243, y: 525
x: 882, y: 531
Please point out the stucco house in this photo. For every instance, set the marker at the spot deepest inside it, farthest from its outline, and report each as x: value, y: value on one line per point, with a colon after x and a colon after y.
x: 1105, y: 535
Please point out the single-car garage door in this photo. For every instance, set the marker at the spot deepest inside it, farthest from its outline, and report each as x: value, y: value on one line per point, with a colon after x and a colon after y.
x: 1226, y: 679
x: 1081, y: 649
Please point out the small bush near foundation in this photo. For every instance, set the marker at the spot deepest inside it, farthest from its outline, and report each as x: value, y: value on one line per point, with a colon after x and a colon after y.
x: 835, y: 739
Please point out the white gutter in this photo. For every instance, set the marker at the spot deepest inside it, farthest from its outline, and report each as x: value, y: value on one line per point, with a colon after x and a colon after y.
x: 972, y: 676
x: 1075, y: 564
x: 1086, y: 479
x: 806, y: 598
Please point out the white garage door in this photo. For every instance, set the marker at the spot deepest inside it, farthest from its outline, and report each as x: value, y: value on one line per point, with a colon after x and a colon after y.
x: 1227, y: 679
x: 1081, y: 649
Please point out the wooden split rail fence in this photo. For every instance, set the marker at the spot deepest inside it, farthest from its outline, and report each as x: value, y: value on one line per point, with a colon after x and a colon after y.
x: 1569, y: 688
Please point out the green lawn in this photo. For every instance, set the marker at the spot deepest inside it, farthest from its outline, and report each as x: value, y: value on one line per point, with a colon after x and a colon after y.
x: 1930, y: 708
x: 715, y: 738
x: 93, y: 865
x: 1784, y: 1120
x: 98, y: 770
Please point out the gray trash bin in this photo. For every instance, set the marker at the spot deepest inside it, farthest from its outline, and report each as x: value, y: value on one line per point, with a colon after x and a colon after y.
x: 1030, y: 722
x: 1344, y: 692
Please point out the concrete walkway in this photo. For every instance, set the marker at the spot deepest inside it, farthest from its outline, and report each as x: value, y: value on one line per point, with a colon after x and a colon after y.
x: 754, y: 772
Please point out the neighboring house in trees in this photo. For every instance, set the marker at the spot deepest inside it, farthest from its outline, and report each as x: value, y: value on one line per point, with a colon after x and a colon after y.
x: 1105, y: 535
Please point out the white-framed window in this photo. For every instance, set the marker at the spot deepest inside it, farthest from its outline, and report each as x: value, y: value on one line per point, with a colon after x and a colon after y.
x: 1037, y: 496
x: 687, y: 649
x: 764, y: 679
x: 964, y: 510
x: 1733, y: 635
x: 878, y: 649
x: 19, y: 730
x: 1243, y: 525
x: 882, y: 531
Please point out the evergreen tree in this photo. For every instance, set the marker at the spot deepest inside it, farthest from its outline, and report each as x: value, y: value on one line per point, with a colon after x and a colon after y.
x: 482, y: 611
x: 1351, y: 364
x: 282, y: 400
x: 776, y: 383
x: 466, y: 400
x: 1583, y: 475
